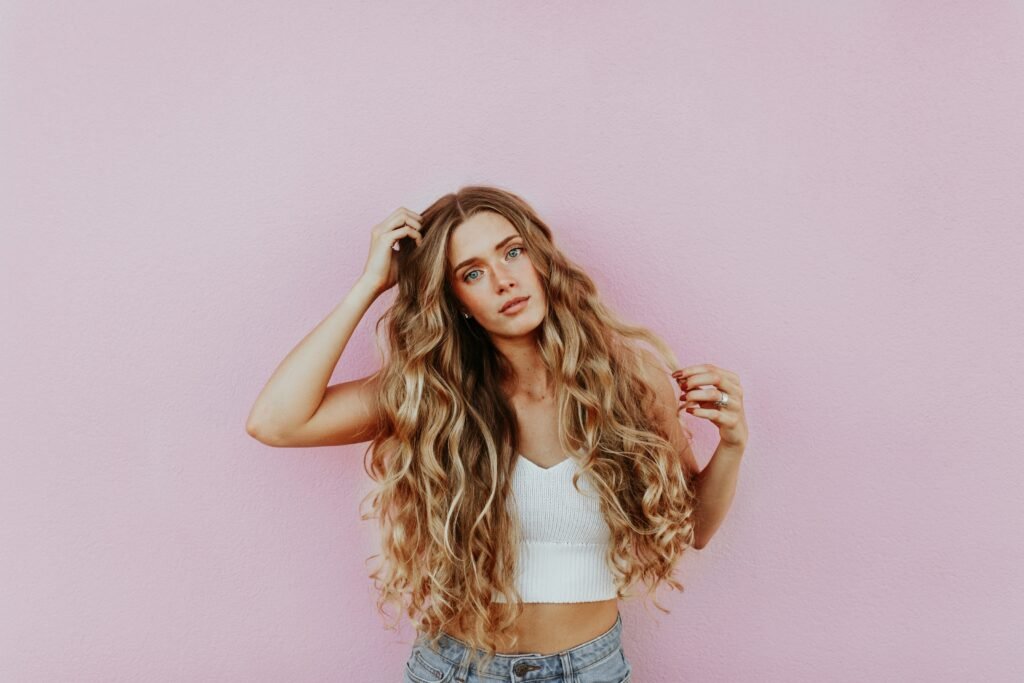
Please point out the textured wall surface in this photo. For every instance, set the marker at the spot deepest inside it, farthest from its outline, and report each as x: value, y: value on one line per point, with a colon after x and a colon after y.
x: 825, y: 198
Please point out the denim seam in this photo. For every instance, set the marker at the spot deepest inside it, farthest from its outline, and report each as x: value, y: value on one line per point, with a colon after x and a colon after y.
x: 439, y: 675
x: 604, y: 659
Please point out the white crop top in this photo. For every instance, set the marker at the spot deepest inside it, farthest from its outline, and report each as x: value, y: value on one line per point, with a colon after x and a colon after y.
x: 565, y: 536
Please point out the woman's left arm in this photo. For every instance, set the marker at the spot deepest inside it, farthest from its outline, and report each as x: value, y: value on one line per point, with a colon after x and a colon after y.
x: 715, y: 394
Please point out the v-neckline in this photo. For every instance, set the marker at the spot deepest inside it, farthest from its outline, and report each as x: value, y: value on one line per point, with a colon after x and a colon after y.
x: 545, y: 469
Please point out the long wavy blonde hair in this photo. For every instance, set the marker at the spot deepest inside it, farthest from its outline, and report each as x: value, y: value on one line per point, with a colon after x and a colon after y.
x: 442, y: 465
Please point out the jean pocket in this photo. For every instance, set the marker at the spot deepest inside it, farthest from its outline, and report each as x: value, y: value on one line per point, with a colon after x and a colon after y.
x: 427, y: 666
x: 611, y: 669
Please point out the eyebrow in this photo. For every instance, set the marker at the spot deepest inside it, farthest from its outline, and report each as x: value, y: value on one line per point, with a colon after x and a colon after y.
x: 498, y: 246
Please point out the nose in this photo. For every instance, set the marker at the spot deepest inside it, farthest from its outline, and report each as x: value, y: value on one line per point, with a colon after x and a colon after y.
x: 503, y: 279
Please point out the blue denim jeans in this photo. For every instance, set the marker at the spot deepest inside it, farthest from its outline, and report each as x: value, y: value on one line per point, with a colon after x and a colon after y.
x: 600, y: 660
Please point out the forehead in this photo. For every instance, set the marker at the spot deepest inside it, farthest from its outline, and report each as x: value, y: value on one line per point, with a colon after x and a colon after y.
x: 477, y: 236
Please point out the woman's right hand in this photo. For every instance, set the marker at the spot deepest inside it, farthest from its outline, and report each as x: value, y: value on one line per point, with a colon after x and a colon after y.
x: 381, y: 269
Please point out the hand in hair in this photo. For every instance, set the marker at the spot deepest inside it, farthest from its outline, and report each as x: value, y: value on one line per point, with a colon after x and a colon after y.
x: 381, y: 269
x: 702, y: 387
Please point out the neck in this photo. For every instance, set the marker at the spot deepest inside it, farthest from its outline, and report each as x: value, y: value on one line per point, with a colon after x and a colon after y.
x: 530, y: 379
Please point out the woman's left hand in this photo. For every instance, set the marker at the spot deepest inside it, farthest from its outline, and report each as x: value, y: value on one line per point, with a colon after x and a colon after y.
x: 700, y: 402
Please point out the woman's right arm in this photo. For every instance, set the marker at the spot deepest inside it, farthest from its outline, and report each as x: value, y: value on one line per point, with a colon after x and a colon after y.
x: 296, y: 408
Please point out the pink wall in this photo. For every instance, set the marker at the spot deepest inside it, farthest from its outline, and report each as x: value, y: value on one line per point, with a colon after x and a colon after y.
x: 825, y: 198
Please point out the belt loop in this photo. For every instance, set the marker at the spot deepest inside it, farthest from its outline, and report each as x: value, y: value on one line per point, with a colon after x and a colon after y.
x: 568, y: 671
x: 462, y: 673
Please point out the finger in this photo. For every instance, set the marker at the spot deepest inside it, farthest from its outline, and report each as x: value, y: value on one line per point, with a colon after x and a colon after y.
x: 705, y: 368
x: 404, y: 231
x: 707, y: 396
x: 414, y: 234
x: 405, y: 218
x: 694, y: 371
x: 689, y: 403
x: 695, y: 380
x: 689, y: 370
x: 719, y: 383
x: 719, y: 417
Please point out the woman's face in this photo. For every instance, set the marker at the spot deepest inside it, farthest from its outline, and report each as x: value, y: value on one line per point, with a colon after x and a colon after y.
x: 491, y: 268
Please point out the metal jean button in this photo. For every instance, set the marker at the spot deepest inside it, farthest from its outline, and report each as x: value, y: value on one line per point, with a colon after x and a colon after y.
x: 521, y: 668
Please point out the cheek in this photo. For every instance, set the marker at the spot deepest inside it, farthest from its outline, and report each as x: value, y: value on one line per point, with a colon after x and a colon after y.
x: 464, y: 297
x: 533, y: 274
x: 536, y: 280
x: 473, y: 300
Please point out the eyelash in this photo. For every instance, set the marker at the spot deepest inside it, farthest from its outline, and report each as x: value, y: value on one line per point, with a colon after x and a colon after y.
x: 465, y: 275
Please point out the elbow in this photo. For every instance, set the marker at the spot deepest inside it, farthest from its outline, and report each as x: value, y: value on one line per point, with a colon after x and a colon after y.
x: 699, y: 541
x: 259, y: 433
x: 252, y: 429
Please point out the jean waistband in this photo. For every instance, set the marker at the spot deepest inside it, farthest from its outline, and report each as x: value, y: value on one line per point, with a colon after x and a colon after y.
x: 543, y: 666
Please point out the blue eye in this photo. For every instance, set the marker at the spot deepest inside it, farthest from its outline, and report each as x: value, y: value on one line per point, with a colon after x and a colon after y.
x: 466, y: 278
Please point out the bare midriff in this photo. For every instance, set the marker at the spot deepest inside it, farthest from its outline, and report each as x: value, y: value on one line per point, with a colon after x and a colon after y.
x: 549, y: 627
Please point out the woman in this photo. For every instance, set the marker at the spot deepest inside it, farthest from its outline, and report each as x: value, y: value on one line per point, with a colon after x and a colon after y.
x: 529, y: 461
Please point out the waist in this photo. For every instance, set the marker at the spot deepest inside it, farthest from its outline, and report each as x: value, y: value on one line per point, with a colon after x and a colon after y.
x: 546, y: 628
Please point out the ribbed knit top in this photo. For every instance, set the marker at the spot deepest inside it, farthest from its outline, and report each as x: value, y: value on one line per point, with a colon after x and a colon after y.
x: 565, y: 536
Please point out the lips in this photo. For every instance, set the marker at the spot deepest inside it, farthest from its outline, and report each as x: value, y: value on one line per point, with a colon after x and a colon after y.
x: 512, y: 302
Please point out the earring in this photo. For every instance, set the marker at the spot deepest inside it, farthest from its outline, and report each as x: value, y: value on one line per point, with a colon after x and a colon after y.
x: 465, y: 315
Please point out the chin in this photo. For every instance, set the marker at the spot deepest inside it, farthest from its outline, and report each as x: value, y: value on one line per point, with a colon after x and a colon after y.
x: 534, y: 324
